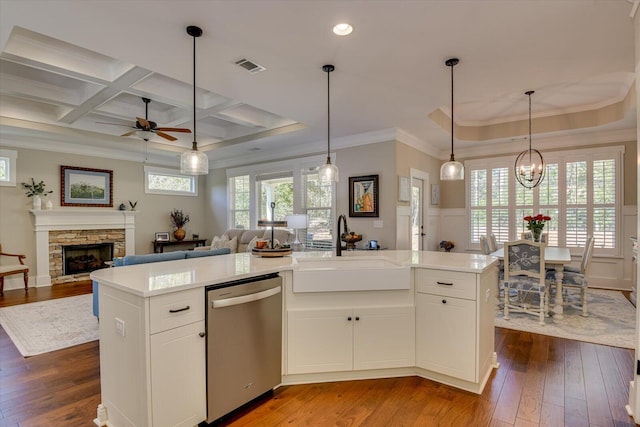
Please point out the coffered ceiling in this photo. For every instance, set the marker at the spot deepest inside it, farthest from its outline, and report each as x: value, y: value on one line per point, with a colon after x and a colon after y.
x: 73, y: 74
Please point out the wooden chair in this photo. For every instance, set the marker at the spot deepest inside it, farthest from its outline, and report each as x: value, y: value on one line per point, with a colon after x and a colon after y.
x: 577, y: 277
x: 11, y: 269
x: 525, y: 274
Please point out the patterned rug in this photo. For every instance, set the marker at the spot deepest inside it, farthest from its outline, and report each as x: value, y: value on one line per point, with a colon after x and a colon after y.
x: 611, y: 321
x: 41, y: 327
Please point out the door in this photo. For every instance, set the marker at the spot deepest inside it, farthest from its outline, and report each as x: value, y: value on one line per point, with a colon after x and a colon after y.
x: 417, y: 214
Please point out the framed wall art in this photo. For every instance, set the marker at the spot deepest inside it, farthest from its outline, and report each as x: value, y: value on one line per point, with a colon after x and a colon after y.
x: 404, y: 189
x: 363, y: 196
x: 162, y: 236
x: 86, y: 187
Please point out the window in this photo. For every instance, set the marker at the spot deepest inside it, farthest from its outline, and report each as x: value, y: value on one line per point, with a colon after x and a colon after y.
x: 581, y: 192
x: 239, y: 196
x: 169, y: 181
x: 294, y: 186
x: 8, y: 167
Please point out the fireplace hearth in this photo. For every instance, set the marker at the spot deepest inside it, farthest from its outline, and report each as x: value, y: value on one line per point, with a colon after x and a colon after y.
x: 78, y: 259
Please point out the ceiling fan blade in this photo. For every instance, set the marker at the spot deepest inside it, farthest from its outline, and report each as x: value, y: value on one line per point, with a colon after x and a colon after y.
x: 145, y: 124
x: 129, y: 133
x: 166, y: 136
x: 183, y: 130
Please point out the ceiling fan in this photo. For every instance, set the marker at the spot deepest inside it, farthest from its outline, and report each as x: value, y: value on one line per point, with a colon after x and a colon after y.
x: 146, y: 125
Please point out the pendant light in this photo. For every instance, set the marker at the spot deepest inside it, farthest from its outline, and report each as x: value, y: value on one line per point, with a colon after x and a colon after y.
x: 529, y: 167
x: 328, y: 172
x: 194, y: 162
x: 452, y: 170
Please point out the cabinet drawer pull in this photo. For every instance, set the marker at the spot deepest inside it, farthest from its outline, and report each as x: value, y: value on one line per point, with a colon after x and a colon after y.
x: 357, y: 317
x: 444, y: 283
x: 178, y: 310
x: 202, y: 334
x: 444, y: 301
x: 349, y: 318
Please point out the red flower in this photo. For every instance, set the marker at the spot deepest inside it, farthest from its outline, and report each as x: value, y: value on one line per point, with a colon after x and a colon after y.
x: 528, y: 218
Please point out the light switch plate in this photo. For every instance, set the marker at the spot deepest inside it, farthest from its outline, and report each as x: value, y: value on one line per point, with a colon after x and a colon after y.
x: 120, y: 327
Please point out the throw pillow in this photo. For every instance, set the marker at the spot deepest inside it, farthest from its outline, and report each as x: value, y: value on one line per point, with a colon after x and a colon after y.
x: 252, y: 243
x: 218, y: 242
x: 231, y: 244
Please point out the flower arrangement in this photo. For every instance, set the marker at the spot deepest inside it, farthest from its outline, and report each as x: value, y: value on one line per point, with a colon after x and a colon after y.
x: 34, y: 189
x: 536, y: 223
x: 447, y: 245
x: 179, y: 218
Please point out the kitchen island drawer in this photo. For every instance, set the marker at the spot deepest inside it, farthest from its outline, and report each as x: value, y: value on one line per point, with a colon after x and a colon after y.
x: 172, y: 310
x: 446, y: 283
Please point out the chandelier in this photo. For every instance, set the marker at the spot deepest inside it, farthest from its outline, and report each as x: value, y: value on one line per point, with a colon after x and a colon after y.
x: 529, y: 167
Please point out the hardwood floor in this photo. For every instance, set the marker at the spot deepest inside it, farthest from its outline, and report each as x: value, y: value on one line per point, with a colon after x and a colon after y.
x: 542, y: 381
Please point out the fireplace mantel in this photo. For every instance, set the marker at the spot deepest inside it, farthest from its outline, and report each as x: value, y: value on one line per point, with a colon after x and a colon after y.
x: 77, y: 219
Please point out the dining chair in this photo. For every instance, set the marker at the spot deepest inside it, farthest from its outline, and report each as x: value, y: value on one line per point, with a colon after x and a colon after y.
x: 493, y: 244
x: 484, y: 245
x: 576, y: 277
x: 12, y: 269
x: 525, y: 275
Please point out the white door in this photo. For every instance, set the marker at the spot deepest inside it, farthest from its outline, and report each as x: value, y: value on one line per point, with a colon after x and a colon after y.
x: 418, y: 233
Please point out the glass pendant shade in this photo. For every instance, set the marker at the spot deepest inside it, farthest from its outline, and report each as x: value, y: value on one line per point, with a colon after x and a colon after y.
x: 452, y: 171
x: 194, y: 162
x: 328, y: 172
x: 529, y: 167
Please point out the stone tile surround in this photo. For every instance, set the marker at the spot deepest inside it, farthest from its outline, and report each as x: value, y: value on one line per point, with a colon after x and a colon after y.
x: 58, y: 239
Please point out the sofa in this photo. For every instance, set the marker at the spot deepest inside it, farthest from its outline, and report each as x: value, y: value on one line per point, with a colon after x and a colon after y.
x: 148, y: 258
x: 245, y: 238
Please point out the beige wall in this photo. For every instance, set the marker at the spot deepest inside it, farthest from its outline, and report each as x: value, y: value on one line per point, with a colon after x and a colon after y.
x: 452, y: 194
x: 16, y: 223
x: 408, y: 158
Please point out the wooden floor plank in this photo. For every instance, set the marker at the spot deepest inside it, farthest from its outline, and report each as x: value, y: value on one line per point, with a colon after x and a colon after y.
x: 541, y: 381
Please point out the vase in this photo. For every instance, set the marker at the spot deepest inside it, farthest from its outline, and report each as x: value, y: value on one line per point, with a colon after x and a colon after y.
x: 179, y: 233
x: 49, y: 205
x: 37, y: 203
x: 537, y: 233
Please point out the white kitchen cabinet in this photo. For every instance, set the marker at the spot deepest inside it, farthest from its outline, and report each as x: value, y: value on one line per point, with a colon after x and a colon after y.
x: 152, y: 358
x: 178, y: 376
x: 345, y: 339
x: 454, y: 325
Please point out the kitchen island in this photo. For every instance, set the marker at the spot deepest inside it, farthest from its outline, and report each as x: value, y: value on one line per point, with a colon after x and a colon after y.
x: 437, y: 325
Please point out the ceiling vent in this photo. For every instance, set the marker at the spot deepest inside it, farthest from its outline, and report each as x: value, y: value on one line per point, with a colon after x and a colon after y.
x: 250, y: 66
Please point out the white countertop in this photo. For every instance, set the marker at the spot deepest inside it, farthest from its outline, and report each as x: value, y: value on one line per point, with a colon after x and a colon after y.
x: 157, y: 278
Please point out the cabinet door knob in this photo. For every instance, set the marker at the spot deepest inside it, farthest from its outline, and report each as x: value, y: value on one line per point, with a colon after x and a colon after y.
x: 202, y: 334
x: 444, y: 301
x: 349, y: 318
x: 357, y: 318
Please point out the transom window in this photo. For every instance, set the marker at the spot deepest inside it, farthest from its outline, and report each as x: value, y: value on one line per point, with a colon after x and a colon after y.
x: 169, y: 181
x: 581, y: 193
x: 8, y: 167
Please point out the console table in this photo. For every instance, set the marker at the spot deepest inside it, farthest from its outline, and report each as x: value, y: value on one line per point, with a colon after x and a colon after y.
x: 158, y: 246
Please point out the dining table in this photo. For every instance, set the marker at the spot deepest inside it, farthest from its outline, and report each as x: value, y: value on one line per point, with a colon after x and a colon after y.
x: 554, y: 257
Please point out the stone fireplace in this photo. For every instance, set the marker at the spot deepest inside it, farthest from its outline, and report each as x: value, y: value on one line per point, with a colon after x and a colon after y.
x: 57, y: 229
x: 77, y: 259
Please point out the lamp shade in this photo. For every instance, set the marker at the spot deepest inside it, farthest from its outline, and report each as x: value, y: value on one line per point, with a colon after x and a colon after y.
x: 328, y: 172
x: 296, y: 221
x: 194, y: 162
x: 452, y: 171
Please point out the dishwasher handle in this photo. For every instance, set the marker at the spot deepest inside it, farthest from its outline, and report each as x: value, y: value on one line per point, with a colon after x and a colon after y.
x: 227, y: 302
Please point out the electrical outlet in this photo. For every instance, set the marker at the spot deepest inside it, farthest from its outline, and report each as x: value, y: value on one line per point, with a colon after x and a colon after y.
x: 120, y: 327
x: 377, y: 223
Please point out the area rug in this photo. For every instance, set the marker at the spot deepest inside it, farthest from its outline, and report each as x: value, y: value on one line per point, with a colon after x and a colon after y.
x: 611, y: 321
x: 45, y: 326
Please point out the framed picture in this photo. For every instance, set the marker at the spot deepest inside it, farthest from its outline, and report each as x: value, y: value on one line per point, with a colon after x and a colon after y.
x: 435, y: 194
x: 162, y: 236
x: 86, y: 187
x: 404, y: 189
x: 363, y: 196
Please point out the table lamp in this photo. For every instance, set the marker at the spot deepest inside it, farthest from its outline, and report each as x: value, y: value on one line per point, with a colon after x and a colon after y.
x: 296, y: 221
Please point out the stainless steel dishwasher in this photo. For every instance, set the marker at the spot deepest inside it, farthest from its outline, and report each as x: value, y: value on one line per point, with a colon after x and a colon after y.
x: 244, y: 342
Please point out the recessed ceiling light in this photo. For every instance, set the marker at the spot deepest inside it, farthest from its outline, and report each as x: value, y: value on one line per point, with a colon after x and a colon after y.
x: 342, y: 29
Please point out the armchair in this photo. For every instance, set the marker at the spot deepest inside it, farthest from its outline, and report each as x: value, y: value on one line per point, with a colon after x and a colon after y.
x: 11, y: 269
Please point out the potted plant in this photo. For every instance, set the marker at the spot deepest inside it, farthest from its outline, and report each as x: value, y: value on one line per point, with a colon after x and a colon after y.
x: 178, y: 220
x: 36, y: 191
